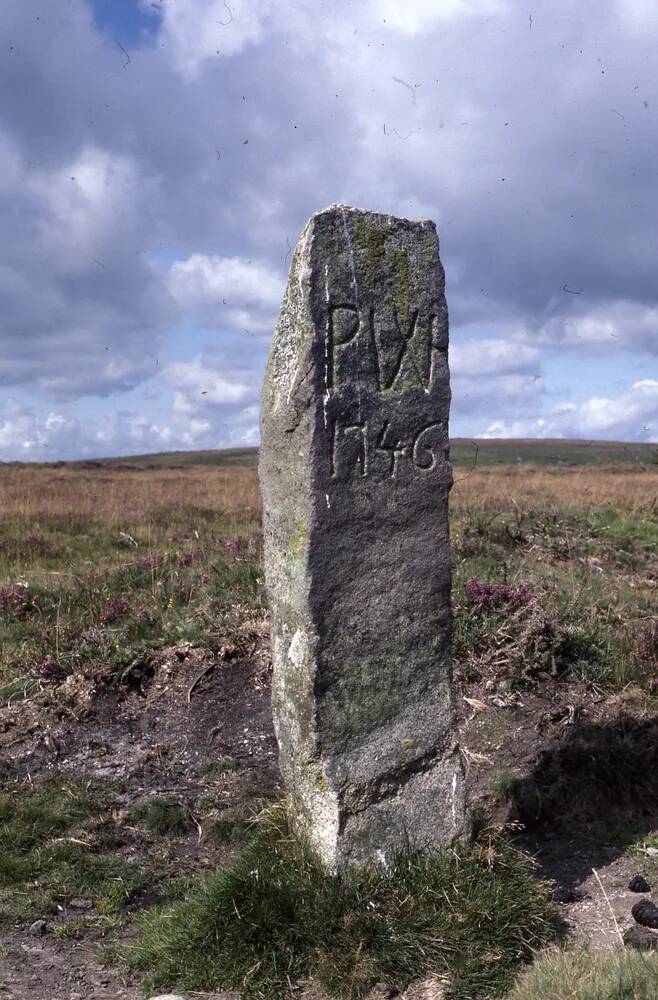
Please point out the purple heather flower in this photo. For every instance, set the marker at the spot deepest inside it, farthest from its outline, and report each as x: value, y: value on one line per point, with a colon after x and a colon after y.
x: 647, y: 649
x: 496, y: 596
x: 49, y: 669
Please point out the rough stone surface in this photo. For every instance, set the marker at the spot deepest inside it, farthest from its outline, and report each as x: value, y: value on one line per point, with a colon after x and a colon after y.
x: 39, y: 928
x: 640, y: 938
x: 355, y: 475
x: 170, y: 996
x: 429, y: 989
x: 646, y: 913
x: 208, y: 996
x: 639, y: 884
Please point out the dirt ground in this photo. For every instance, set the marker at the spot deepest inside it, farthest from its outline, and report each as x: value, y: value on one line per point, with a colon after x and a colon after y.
x: 197, y: 709
x: 583, y: 846
x: 152, y: 743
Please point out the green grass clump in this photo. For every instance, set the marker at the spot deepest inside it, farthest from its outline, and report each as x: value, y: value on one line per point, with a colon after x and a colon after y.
x: 231, y: 827
x: 586, y: 975
x: 275, y: 916
x: 164, y: 816
x: 52, y: 849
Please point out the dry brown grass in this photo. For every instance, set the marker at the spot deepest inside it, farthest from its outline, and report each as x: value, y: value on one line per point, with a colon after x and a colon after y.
x: 126, y: 496
x: 540, y: 486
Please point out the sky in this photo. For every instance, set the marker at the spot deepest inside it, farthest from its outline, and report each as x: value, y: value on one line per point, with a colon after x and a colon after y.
x: 159, y: 159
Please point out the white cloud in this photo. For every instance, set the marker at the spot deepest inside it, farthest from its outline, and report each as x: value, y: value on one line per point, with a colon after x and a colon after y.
x: 492, y: 357
x: 27, y: 435
x: 220, y: 159
x: 216, y: 399
x: 198, y: 384
x: 615, y: 325
x: 632, y: 416
x: 230, y: 292
x: 81, y: 308
x: 24, y: 435
x: 637, y: 15
x: 195, y: 31
x: 82, y: 200
x: 500, y: 373
x: 413, y: 16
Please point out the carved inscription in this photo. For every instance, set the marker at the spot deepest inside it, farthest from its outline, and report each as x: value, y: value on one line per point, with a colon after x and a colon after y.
x: 402, y: 349
x: 364, y: 449
x: 426, y: 446
x: 349, y: 449
x: 392, y: 354
x: 343, y: 327
x: 388, y: 445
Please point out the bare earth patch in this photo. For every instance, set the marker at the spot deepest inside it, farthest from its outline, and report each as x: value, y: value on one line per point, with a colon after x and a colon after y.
x: 588, y: 848
x: 217, y: 750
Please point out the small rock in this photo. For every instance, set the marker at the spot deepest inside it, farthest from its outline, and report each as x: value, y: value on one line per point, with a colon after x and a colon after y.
x: 307, y: 989
x: 646, y: 913
x: 640, y: 938
x: 81, y: 904
x: 209, y: 996
x: 39, y: 928
x: 429, y: 989
x: 568, y: 895
x: 170, y: 996
x: 639, y: 884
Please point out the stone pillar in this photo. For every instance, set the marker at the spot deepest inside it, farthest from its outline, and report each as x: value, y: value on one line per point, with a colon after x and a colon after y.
x: 355, y: 475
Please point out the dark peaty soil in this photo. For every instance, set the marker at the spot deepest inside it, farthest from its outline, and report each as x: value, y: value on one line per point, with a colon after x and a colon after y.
x: 162, y: 741
x: 576, y: 775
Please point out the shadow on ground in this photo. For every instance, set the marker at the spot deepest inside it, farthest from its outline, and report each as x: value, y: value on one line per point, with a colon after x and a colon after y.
x: 589, y: 810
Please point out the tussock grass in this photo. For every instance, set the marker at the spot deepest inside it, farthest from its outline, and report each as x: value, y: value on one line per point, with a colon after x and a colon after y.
x: 275, y: 916
x: 54, y: 846
x: 119, y: 562
x: 586, y: 975
x: 76, y: 496
x: 164, y: 816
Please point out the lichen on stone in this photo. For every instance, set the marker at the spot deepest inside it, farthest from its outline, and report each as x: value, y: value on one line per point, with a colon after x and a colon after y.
x: 371, y: 240
x: 402, y: 277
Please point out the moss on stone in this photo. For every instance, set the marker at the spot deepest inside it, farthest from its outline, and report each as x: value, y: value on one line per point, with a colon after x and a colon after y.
x: 298, y: 539
x: 371, y: 240
x: 402, y: 278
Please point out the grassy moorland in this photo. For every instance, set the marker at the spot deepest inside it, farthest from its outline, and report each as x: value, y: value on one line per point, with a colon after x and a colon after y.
x: 103, y: 567
x: 108, y: 564
x: 123, y: 579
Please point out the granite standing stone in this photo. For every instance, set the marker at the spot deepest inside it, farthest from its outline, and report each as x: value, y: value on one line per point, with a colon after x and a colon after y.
x: 355, y: 475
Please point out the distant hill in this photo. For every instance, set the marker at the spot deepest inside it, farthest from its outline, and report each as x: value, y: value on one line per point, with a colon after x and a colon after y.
x: 465, y: 452
x: 558, y: 452
x: 178, y: 459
